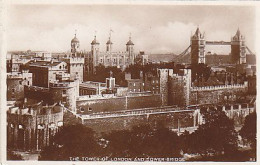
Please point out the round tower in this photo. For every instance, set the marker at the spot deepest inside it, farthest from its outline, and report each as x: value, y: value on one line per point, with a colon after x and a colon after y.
x: 130, y: 50
x: 95, y: 51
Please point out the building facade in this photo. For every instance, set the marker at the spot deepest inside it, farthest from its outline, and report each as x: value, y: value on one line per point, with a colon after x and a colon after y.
x: 15, y: 84
x: 32, y: 128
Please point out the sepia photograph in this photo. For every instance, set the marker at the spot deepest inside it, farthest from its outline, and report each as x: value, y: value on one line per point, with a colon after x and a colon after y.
x: 130, y: 82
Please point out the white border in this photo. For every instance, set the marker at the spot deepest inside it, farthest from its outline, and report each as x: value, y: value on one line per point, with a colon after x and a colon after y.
x: 5, y: 3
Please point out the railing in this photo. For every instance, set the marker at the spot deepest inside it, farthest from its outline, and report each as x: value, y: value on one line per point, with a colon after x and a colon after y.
x: 205, y: 88
x: 93, y: 97
x: 218, y: 43
x: 135, y: 112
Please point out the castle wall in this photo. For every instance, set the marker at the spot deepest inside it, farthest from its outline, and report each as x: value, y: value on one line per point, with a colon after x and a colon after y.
x: 215, y: 94
x: 172, y: 120
x: 117, y: 103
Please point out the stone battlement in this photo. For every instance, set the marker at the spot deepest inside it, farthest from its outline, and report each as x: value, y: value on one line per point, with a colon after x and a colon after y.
x: 63, y: 84
x: 75, y: 60
x: 94, y: 97
x: 219, y: 87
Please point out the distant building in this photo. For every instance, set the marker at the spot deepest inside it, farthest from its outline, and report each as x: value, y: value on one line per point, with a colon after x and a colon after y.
x: 142, y: 58
x: 44, y: 72
x: 65, y: 92
x: 92, y: 88
x: 109, y: 58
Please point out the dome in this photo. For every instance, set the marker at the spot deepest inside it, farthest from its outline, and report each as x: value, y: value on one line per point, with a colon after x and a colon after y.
x: 94, y: 41
x: 109, y: 42
x: 129, y: 43
x: 75, y: 39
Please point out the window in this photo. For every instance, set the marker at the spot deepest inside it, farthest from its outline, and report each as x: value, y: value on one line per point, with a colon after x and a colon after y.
x: 134, y: 84
x: 64, y: 99
x: 82, y: 109
x: 64, y: 91
x: 13, y: 90
x: 20, y: 82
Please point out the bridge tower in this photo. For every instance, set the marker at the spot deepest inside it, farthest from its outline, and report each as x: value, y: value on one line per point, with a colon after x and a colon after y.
x: 197, y: 43
x: 238, y: 49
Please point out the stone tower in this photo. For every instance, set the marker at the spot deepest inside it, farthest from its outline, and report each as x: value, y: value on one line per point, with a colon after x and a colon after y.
x: 130, y: 50
x: 238, y: 49
x: 109, y: 43
x: 95, y: 51
x: 74, y: 46
x: 197, y: 43
x: 164, y: 75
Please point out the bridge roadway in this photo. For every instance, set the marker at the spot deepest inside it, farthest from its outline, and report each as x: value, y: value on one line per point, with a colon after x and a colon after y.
x: 135, y: 112
x: 217, y: 43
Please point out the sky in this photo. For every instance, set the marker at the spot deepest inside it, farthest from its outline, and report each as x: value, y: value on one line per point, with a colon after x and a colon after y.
x: 153, y: 28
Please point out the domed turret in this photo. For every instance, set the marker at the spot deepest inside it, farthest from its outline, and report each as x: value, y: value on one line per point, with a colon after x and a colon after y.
x: 75, y: 39
x: 94, y: 42
x: 109, y: 45
x: 74, y: 45
x: 109, y: 41
x: 130, y: 42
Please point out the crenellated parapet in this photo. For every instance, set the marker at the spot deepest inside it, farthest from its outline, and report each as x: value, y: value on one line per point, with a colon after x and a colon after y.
x: 220, y: 87
x: 74, y: 60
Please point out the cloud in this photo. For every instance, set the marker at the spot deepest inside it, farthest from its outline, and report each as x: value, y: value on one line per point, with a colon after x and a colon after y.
x: 154, y: 29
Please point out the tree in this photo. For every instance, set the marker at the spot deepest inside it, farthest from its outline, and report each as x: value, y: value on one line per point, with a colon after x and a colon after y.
x: 248, y: 131
x: 71, y: 141
x: 143, y: 141
x: 215, y: 136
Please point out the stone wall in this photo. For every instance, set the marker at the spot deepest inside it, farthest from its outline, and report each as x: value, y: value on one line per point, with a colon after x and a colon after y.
x: 215, y: 95
x: 172, y: 120
x: 118, y: 103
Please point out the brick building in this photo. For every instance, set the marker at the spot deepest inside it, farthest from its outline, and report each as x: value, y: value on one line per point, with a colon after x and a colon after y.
x: 46, y: 71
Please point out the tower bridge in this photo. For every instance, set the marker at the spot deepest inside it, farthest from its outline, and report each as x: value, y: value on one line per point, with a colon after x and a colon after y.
x: 217, y: 43
x: 196, y: 49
